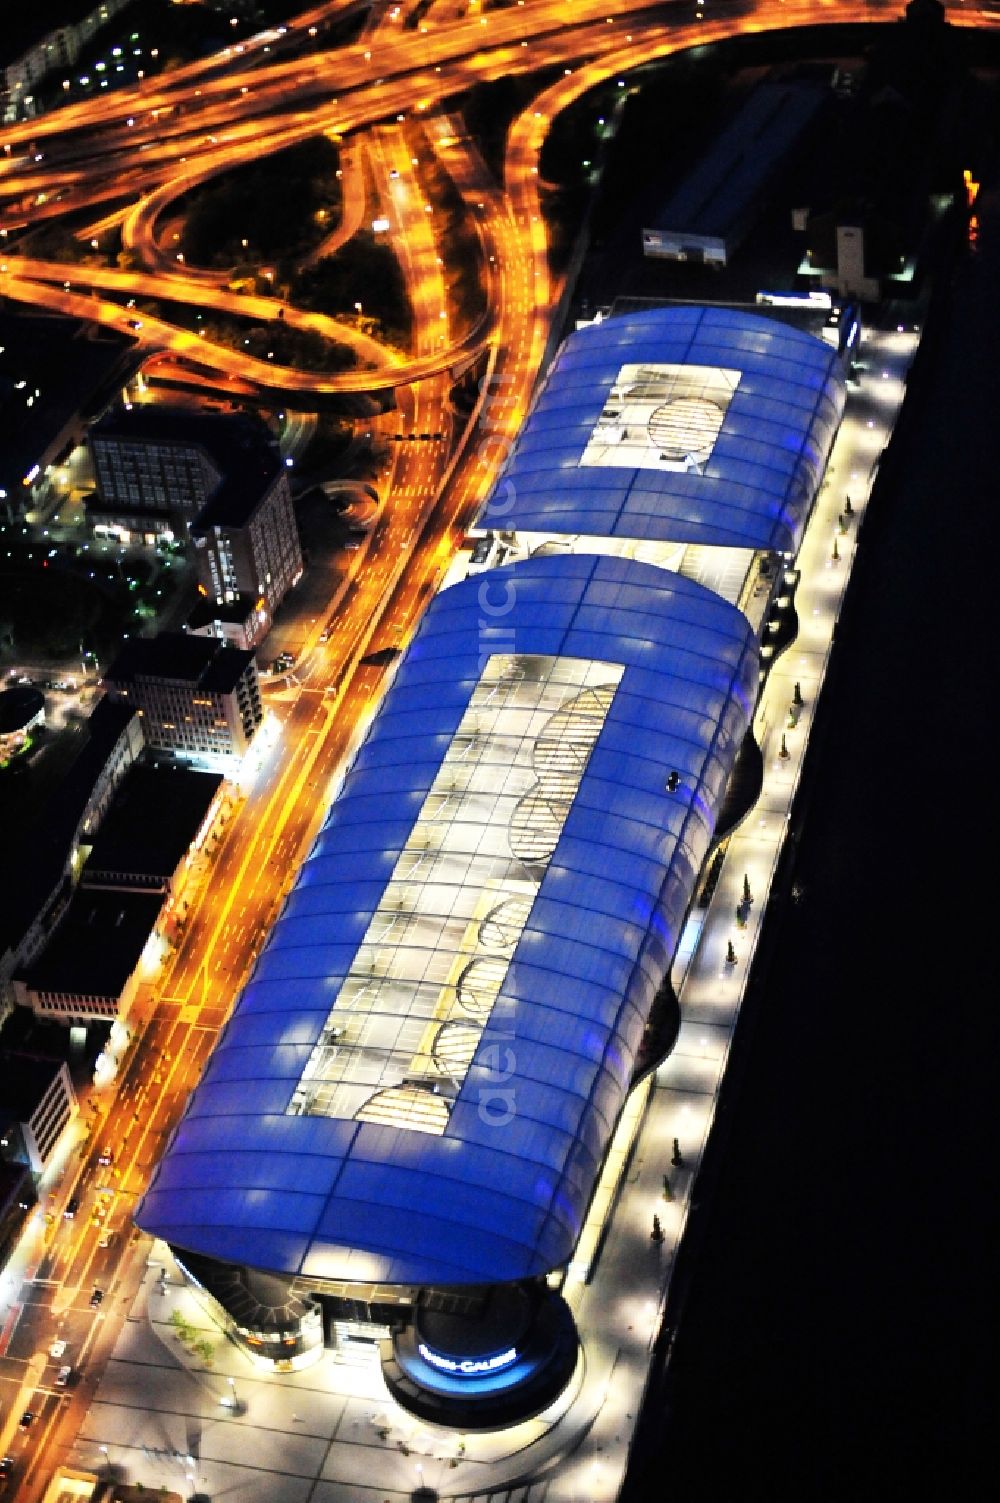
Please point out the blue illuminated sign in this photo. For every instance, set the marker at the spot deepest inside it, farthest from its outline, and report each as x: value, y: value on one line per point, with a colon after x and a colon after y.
x: 468, y: 1367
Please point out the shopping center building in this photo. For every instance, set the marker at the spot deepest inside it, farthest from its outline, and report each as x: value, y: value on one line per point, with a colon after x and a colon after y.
x: 397, y: 1140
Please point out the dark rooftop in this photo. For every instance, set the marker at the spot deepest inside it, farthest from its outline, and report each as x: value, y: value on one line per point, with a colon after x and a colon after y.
x: 73, y: 366
x: 240, y: 447
x: 201, y: 661
x: 160, y: 422
x: 156, y: 815
x: 15, y: 1179
x: 248, y: 473
x: 206, y: 611
x: 26, y: 1078
x: 716, y: 193
x: 35, y: 843
x: 226, y: 669
x: 98, y: 944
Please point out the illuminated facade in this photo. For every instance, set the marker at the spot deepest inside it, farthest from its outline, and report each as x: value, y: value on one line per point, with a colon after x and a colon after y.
x: 688, y: 426
x: 407, y: 1115
x: 444, y: 1024
x: 246, y: 544
x: 199, y: 700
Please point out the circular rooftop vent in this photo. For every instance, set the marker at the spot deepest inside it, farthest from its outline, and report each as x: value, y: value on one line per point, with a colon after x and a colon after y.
x: 685, y: 428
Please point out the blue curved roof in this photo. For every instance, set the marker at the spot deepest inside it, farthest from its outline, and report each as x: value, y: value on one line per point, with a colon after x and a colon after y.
x: 497, y: 1194
x: 754, y: 489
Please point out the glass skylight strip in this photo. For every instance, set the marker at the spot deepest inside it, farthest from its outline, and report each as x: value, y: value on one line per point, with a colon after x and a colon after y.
x: 661, y: 417
x: 407, y: 1020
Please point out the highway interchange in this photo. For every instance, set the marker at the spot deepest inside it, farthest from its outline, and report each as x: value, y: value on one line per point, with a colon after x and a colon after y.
x: 126, y: 158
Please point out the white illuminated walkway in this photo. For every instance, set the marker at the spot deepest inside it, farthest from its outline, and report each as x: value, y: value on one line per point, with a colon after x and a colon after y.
x: 330, y: 1434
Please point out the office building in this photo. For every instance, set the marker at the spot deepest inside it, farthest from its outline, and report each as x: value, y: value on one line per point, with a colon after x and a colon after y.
x: 161, y: 814
x: 40, y: 843
x: 246, y: 543
x: 39, y: 40
x: 155, y: 469
x: 199, y: 698
x: 91, y: 967
x: 712, y: 210
x: 37, y: 1104
x: 218, y: 479
x: 56, y: 375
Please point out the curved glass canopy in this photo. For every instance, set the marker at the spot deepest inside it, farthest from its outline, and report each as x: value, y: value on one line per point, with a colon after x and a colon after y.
x: 421, y: 1078
x: 685, y: 425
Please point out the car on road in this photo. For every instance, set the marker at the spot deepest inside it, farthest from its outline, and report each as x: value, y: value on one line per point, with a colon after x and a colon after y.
x: 63, y: 1376
x: 6, y: 1465
x: 27, y: 1419
x: 72, y: 1206
x: 106, y: 1157
x: 95, y: 1298
x: 57, y: 1348
x: 107, y: 1240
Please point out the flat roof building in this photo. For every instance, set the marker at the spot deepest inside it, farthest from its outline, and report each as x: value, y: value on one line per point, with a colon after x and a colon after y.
x: 217, y: 477
x: 710, y: 213
x: 246, y: 543
x: 147, y: 834
x: 155, y: 468
x: 40, y: 842
x: 37, y: 1104
x: 89, y: 969
x: 199, y: 699
x: 56, y: 375
x: 235, y: 621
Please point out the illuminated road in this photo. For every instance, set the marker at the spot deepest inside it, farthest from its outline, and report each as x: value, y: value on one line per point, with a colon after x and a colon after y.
x: 129, y: 156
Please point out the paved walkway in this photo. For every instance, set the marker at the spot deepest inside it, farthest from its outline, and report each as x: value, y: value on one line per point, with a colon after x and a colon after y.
x: 331, y: 1434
